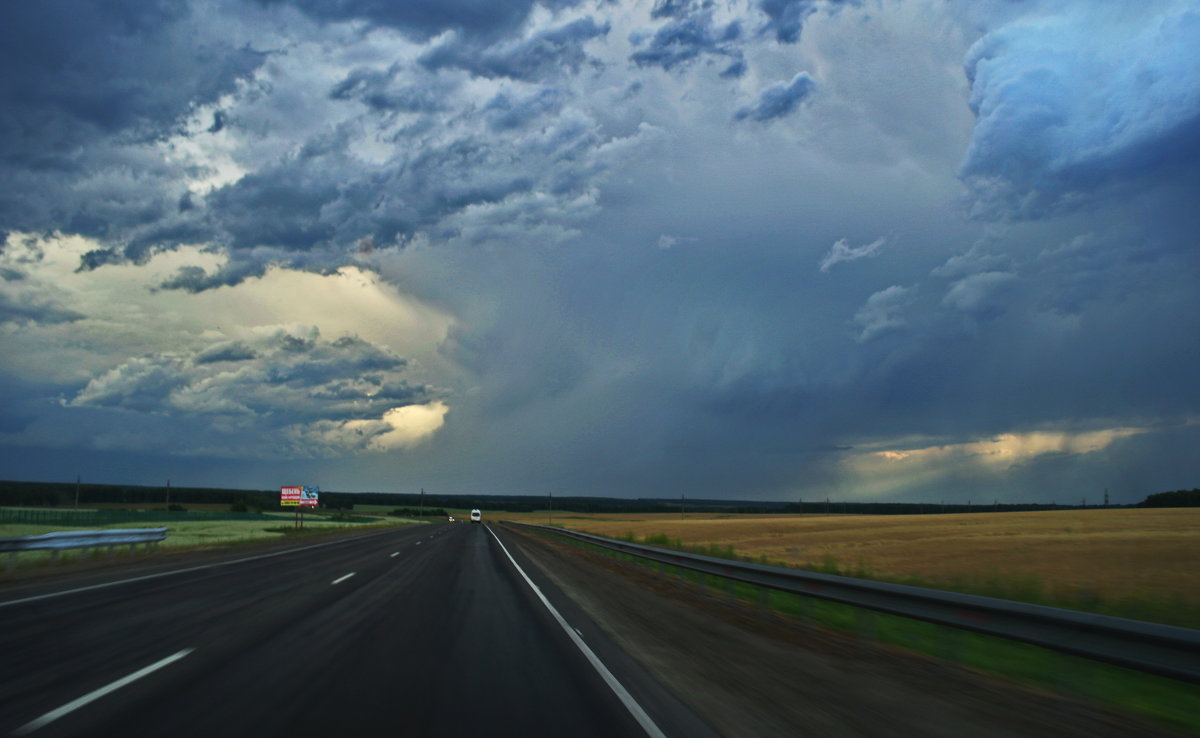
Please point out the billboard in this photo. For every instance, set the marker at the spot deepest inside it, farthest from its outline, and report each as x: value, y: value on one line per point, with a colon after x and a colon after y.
x: 298, y: 496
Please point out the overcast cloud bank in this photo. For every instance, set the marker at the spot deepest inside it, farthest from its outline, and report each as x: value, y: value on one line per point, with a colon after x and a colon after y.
x: 569, y: 246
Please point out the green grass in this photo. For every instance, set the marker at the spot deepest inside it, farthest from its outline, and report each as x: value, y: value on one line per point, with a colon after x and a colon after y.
x: 1159, y: 699
x: 1017, y: 587
x: 196, y: 534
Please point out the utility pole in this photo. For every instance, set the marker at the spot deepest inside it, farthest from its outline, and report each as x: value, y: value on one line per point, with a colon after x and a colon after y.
x: 168, y: 494
x: 421, y: 505
x: 1106, y: 496
x: 76, y: 493
x: 551, y: 509
x: 681, y: 513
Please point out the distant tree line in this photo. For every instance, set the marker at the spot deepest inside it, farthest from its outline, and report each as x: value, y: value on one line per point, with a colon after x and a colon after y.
x: 62, y: 494
x: 1178, y: 498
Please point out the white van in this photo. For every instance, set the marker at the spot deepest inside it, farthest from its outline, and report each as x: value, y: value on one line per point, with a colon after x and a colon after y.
x: 475, y: 516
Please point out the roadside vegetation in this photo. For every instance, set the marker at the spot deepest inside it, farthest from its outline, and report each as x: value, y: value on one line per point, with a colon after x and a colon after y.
x: 1136, y: 563
x: 200, y: 532
x: 1163, y: 700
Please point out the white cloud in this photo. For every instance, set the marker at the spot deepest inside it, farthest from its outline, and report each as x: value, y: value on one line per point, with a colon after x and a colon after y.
x: 843, y: 251
x: 882, y: 312
x: 896, y: 466
x: 123, y: 313
x: 979, y: 293
x: 399, y: 428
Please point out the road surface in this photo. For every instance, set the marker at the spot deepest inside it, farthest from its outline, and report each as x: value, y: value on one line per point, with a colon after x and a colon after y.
x: 428, y: 630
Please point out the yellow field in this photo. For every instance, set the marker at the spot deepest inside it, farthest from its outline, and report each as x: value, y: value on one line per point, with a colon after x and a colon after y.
x: 1061, y: 556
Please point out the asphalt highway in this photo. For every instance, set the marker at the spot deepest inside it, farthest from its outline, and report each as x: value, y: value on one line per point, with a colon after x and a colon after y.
x: 429, y: 630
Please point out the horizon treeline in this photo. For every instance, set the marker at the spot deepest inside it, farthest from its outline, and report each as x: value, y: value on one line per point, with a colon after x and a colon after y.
x: 63, y: 494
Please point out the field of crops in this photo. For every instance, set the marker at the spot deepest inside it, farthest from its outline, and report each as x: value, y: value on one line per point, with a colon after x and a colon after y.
x: 1135, y: 562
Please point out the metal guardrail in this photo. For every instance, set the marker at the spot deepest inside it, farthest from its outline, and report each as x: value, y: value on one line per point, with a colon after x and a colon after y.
x: 1164, y: 650
x: 69, y: 518
x: 66, y: 540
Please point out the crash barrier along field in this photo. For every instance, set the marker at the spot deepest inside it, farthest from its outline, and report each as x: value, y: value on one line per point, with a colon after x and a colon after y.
x: 81, y: 539
x: 969, y: 643
x: 1162, y: 650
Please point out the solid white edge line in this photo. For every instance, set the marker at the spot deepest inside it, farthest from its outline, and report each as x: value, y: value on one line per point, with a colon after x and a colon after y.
x: 183, y: 571
x: 618, y: 689
x: 395, y: 555
x: 339, y: 580
x: 97, y: 694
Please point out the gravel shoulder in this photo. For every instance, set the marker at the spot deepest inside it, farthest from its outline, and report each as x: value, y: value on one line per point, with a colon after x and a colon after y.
x: 750, y: 672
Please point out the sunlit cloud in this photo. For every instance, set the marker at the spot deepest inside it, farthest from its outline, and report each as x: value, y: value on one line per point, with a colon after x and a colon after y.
x: 887, y: 466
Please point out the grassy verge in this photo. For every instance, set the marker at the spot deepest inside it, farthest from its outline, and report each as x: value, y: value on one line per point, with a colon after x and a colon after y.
x: 1156, y: 698
x: 1021, y: 588
x: 200, y: 534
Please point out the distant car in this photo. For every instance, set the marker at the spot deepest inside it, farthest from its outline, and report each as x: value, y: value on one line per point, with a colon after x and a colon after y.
x: 451, y: 519
x: 475, y: 516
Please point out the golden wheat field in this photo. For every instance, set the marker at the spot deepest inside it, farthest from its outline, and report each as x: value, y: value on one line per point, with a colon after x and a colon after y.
x: 1071, y: 555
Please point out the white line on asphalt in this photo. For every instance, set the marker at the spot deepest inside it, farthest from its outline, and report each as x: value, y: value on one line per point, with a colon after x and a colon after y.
x: 339, y: 580
x: 418, y: 543
x: 97, y: 694
x: 622, y: 694
x: 395, y: 554
x: 181, y: 571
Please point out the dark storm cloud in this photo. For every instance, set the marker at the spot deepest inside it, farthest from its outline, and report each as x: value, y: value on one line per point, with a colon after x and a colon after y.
x: 81, y: 83
x: 280, y: 206
x: 546, y: 54
x: 324, y: 197
x: 34, y: 309
x: 736, y: 69
x: 71, y: 71
x: 678, y: 8
x: 424, y: 19
x: 490, y: 176
x: 883, y: 313
x: 227, y: 351
x: 684, y: 38
x: 778, y: 99
x: 981, y: 295
x: 379, y: 89
x: 786, y: 18
x: 270, y: 381
x: 25, y: 301
x: 750, y: 359
x: 1063, y: 120
x: 504, y: 112
x: 373, y: 389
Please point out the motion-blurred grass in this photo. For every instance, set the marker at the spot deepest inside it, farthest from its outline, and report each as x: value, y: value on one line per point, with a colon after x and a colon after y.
x: 1135, y: 563
x: 1160, y: 699
x: 189, y: 534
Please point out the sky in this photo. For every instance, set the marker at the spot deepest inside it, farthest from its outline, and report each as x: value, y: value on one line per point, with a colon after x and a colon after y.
x: 868, y: 250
